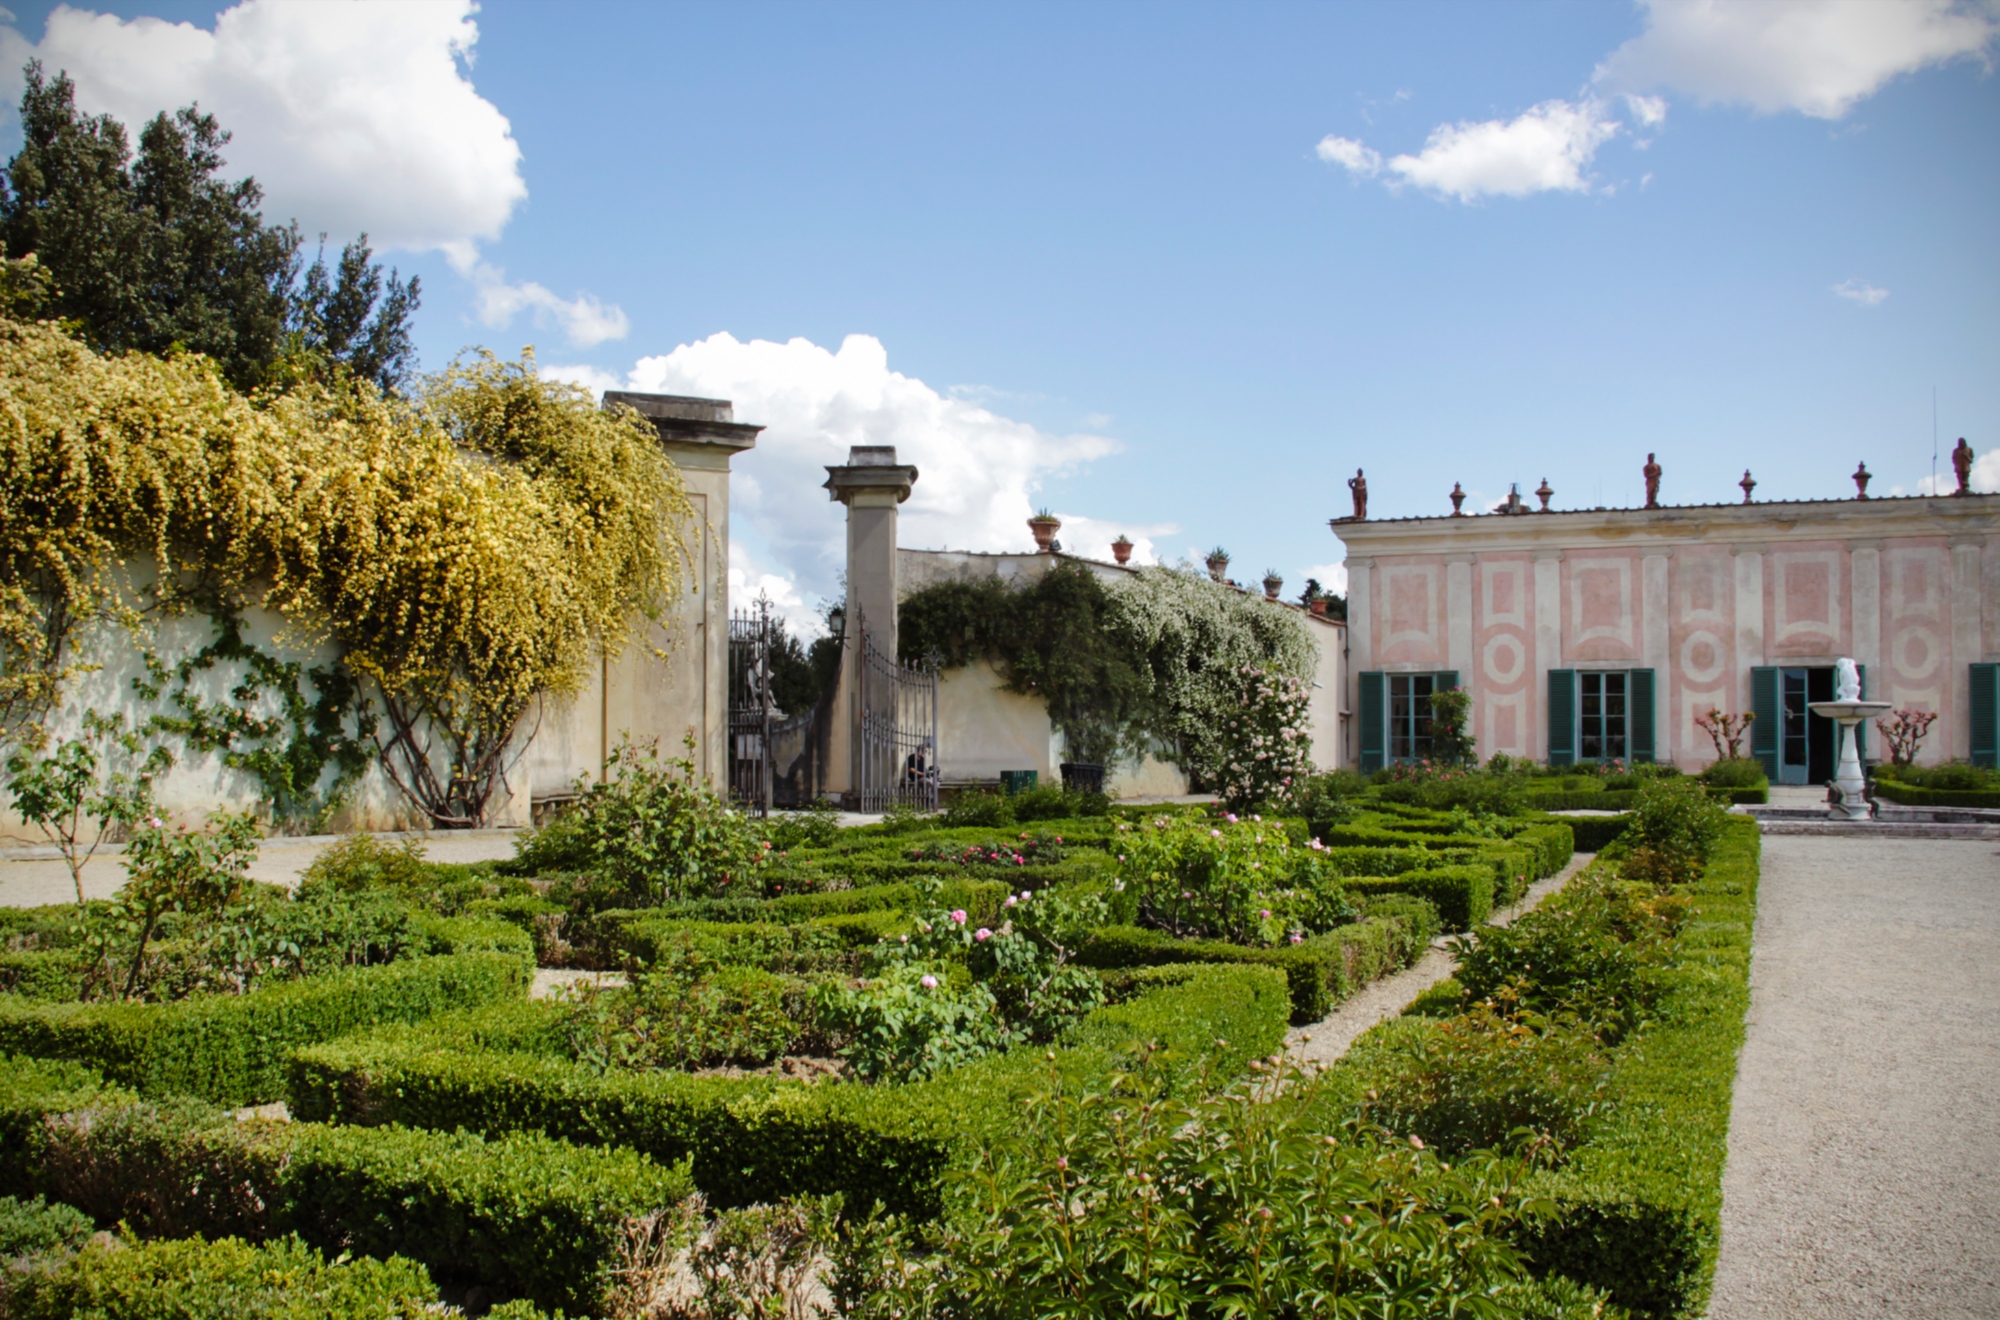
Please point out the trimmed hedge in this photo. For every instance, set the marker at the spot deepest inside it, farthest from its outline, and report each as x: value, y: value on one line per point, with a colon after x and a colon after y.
x: 231, y: 1049
x: 1909, y: 795
x: 522, y: 1215
x: 759, y: 1139
x: 1462, y: 895
x: 1639, y: 1206
x: 226, y: 1280
x: 1592, y: 833
x: 1319, y: 972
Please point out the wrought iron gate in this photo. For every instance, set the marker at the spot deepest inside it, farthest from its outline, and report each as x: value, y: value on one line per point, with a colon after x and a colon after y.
x: 750, y: 707
x: 896, y: 751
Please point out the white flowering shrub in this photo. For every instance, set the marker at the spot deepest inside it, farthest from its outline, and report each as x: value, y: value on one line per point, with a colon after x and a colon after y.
x: 1196, y: 639
x: 1264, y: 748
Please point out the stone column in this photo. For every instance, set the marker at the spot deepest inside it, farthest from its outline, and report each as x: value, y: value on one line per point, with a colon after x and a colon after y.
x: 1749, y: 617
x: 871, y: 484
x: 1655, y: 591
x: 1548, y: 649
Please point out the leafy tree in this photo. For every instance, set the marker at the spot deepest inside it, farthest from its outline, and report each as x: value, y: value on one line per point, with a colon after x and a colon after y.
x: 801, y: 672
x: 158, y: 253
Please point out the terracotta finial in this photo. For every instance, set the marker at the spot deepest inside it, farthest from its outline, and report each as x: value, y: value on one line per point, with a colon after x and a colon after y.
x: 1544, y: 494
x: 1862, y: 476
x: 1457, y: 500
x: 1748, y: 483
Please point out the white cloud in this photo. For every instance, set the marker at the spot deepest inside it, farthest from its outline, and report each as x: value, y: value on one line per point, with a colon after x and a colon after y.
x: 353, y: 117
x: 979, y: 473
x: 1647, y: 111
x: 1546, y: 149
x: 1331, y: 578
x: 584, y: 319
x: 1985, y: 476
x: 1818, y: 57
x: 1860, y: 291
x: 1346, y: 151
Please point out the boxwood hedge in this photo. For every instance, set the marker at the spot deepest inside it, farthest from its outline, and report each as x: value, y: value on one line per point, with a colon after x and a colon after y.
x: 519, y: 1215
x: 756, y: 1139
x: 231, y: 1049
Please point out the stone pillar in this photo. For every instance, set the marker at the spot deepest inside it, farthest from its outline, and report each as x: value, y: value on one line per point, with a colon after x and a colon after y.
x: 1548, y: 648
x: 1655, y: 590
x: 1749, y: 618
x: 1361, y: 653
x: 871, y: 484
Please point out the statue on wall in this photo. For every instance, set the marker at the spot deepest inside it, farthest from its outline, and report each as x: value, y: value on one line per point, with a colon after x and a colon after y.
x: 1359, y: 485
x: 1961, y: 463
x: 1652, y: 471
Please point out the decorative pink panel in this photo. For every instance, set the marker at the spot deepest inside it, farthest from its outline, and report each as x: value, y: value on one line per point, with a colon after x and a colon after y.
x: 1806, y: 600
x: 1601, y: 608
x: 1702, y: 672
x: 1410, y: 607
x: 1916, y: 625
x: 1502, y: 681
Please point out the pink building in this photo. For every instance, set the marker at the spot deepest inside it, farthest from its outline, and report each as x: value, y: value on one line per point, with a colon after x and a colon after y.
x: 1604, y: 633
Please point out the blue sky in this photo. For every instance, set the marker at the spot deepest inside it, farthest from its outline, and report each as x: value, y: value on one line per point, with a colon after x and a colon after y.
x: 1171, y: 270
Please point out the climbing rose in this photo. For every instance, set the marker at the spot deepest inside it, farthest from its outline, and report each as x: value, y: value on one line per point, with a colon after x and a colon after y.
x: 929, y: 983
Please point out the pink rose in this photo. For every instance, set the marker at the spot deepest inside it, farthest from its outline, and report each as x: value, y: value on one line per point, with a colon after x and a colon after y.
x: 982, y: 934
x: 959, y: 916
x: 928, y: 983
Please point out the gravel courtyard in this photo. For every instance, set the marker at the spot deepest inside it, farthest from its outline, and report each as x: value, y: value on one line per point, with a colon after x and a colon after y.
x: 1864, y: 1152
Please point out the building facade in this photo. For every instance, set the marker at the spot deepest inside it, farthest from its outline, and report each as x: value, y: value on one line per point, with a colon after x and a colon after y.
x: 1605, y: 634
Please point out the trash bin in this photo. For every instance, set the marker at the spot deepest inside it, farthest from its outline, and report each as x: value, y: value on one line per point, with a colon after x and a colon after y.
x: 1017, y: 781
x: 1082, y: 777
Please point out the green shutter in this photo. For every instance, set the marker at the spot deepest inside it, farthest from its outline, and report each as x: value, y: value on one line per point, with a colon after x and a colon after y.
x: 1562, y: 717
x: 1984, y: 710
x: 1445, y: 678
x: 1639, y: 715
x: 1766, y: 724
x: 1374, y: 721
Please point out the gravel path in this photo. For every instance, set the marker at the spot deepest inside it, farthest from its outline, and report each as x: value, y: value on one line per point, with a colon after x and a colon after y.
x: 1328, y: 1039
x: 1864, y: 1149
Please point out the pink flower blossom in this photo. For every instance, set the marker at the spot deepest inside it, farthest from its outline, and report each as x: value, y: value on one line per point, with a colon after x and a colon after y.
x: 1215, y: 834
x: 982, y: 934
x: 1011, y: 900
x: 959, y: 916
x: 1230, y: 817
x: 1265, y: 913
x: 1297, y: 938
x: 928, y: 983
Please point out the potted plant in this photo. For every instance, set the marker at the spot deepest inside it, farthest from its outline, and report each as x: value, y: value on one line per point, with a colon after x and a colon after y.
x: 1121, y: 549
x: 1045, y: 525
x: 1218, y: 563
x: 1274, y: 582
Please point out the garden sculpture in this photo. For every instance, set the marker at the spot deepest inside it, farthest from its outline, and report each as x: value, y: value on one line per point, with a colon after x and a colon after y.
x: 1961, y: 463
x: 1652, y: 471
x: 1359, y: 485
x: 1846, y: 680
x: 1861, y: 479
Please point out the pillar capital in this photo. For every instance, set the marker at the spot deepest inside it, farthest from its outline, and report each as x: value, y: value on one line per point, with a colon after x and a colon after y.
x: 871, y: 477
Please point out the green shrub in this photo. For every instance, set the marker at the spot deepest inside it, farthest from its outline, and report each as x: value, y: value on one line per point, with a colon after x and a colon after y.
x: 1441, y: 787
x: 225, y: 1280
x: 1319, y: 971
x: 1735, y: 772
x: 361, y: 863
x: 686, y: 1013
x: 1462, y: 895
x: 230, y: 1049
x: 1894, y: 790
x: 815, y: 825
x: 1592, y: 833
x: 1945, y: 777
x: 758, y: 1139
x: 33, y: 1227
x: 1673, y: 826
x: 522, y: 1215
x: 1489, y: 1078
x: 1240, y: 881
x: 979, y: 807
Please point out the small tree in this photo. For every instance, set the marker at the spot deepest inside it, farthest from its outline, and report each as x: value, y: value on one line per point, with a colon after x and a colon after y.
x: 1905, y: 730
x: 62, y: 792
x: 1451, y: 739
x: 1725, y: 731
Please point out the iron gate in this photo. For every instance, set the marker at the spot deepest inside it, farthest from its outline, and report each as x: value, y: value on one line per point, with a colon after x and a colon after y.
x: 750, y: 707
x: 896, y: 752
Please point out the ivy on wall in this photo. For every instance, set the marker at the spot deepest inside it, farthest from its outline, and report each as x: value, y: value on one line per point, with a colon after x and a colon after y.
x: 1155, y: 657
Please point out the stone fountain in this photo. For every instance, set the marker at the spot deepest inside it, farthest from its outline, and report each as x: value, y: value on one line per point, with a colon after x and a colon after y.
x: 1847, y: 709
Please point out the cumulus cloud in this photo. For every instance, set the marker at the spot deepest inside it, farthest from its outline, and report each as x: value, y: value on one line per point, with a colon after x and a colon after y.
x: 353, y: 117
x: 1547, y: 149
x: 1818, y: 57
x: 1860, y: 291
x: 980, y: 473
x: 1331, y: 577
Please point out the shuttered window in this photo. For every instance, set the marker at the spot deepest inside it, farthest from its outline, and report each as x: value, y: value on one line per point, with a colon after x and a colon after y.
x: 1765, y: 726
x: 1562, y: 717
x: 1984, y: 711
x: 1374, y: 724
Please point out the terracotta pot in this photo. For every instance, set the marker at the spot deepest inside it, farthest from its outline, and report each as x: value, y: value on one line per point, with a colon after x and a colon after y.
x: 1318, y: 607
x: 1272, y: 586
x: 1217, y: 566
x: 1045, y: 530
x: 1121, y: 550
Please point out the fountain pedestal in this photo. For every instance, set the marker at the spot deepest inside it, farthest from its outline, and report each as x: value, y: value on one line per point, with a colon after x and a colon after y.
x: 1853, y: 804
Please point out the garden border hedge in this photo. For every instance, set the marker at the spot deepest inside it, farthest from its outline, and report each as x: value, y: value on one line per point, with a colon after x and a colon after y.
x: 1463, y: 894
x: 1909, y: 795
x: 755, y: 1139
x: 232, y: 1049
x: 1319, y: 972
x: 522, y: 1214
